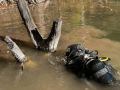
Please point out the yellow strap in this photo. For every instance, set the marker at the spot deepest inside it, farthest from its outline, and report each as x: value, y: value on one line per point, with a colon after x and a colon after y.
x: 104, y: 59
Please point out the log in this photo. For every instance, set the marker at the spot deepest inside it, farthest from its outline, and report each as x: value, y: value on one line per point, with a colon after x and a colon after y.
x: 30, y: 25
x: 16, y: 51
x: 54, y: 35
x: 49, y: 44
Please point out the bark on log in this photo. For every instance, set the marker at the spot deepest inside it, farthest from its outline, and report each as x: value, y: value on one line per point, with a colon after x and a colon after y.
x: 16, y: 51
x: 49, y: 44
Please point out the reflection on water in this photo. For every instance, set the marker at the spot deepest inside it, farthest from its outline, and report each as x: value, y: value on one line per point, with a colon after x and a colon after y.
x: 107, y: 20
x: 94, y: 23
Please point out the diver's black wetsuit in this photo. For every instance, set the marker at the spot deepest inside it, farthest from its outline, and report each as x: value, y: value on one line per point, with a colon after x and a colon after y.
x: 82, y: 61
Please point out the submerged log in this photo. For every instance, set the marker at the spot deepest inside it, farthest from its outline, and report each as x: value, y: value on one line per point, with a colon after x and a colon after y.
x: 49, y: 44
x: 54, y: 35
x: 16, y: 51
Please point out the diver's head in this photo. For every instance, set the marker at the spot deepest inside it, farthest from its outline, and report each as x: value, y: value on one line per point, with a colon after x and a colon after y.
x: 74, y: 57
x: 75, y: 50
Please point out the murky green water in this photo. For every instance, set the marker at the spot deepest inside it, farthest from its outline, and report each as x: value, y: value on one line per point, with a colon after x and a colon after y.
x: 94, y: 24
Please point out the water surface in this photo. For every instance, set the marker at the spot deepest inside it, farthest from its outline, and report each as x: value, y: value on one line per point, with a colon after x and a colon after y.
x: 95, y: 25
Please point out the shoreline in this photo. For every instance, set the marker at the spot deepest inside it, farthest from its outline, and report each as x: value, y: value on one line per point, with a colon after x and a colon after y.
x: 4, y: 4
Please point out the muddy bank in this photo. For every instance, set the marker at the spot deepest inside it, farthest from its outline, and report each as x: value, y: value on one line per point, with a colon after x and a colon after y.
x: 6, y: 2
x: 9, y: 4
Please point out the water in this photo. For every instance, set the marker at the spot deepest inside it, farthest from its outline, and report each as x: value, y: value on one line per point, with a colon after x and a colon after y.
x: 94, y: 25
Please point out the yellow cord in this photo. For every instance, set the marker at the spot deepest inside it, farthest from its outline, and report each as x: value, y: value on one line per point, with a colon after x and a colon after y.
x: 103, y: 59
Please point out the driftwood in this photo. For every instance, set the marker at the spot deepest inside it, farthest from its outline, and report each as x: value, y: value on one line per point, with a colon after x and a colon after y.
x: 16, y: 51
x: 49, y: 44
x: 2, y: 2
x: 54, y: 36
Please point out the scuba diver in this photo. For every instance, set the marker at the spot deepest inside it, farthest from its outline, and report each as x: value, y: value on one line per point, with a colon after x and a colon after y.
x: 85, y: 62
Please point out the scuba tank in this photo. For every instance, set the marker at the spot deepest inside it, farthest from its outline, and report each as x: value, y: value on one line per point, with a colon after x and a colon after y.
x: 78, y: 59
x: 99, y: 71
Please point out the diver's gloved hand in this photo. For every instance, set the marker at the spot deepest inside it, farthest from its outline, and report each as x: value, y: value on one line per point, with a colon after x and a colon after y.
x: 89, y: 54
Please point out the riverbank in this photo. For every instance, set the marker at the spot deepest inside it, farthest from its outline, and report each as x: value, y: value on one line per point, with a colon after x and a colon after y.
x: 5, y: 4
